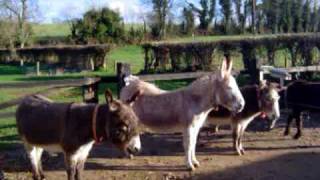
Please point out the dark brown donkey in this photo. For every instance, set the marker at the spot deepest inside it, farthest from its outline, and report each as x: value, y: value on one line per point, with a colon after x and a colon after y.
x: 301, y: 96
x: 73, y: 128
x: 260, y: 100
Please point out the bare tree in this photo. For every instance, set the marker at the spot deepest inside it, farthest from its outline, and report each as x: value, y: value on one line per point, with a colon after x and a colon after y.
x: 159, y: 16
x: 206, y: 13
x: 7, y: 33
x: 20, y: 13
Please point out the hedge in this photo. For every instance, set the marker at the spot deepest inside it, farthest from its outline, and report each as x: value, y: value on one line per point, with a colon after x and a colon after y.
x: 73, y: 56
x: 198, y: 55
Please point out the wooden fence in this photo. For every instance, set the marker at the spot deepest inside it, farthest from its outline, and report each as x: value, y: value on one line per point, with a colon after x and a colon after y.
x: 89, y: 89
x: 182, y: 56
x: 90, y: 85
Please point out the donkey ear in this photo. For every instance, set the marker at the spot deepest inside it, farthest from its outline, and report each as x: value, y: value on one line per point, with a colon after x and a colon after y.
x: 223, y: 70
x: 108, y: 96
x: 134, y: 97
x: 262, y: 84
x: 229, y: 66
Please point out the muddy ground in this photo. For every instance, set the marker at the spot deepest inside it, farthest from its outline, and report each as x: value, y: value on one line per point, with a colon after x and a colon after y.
x: 269, y: 155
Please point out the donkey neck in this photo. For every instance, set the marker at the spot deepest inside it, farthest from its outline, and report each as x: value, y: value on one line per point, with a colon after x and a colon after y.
x: 101, y: 117
x: 201, y: 92
x: 251, y: 96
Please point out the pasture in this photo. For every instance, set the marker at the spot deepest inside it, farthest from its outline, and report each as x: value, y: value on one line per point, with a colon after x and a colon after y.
x: 270, y: 155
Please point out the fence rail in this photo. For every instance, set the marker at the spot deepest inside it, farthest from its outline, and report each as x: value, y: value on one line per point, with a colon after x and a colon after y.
x: 89, y: 86
x: 51, y: 83
x: 173, y: 76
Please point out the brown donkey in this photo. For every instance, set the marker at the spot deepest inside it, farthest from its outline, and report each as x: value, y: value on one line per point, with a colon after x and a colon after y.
x: 73, y: 128
x: 260, y: 100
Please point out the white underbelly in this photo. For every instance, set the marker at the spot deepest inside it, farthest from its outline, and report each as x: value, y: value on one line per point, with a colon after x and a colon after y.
x: 162, y: 130
x: 54, y: 148
x: 218, y: 121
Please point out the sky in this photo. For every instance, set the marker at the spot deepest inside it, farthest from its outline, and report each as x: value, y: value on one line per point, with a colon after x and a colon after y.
x: 59, y: 10
x: 131, y: 10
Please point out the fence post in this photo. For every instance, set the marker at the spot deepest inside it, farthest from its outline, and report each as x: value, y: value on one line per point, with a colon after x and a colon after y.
x: 254, y: 70
x: 123, y: 70
x: 38, y: 68
x: 90, y: 91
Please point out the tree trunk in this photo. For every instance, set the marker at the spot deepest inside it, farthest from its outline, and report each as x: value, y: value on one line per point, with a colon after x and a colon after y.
x: 253, y: 16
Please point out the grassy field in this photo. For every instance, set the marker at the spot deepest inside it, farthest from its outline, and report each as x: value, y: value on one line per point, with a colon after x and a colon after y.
x: 51, y: 30
x: 132, y: 54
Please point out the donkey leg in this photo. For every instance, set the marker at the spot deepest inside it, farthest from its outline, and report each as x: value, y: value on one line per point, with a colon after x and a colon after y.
x: 187, y: 148
x: 34, y: 154
x: 193, y: 148
x: 289, y: 120
x: 242, y: 131
x: 299, y: 124
x: 82, y: 155
x: 40, y: 151
x: 79, y: 169
x: 236, y: 136
x: 71, y: 164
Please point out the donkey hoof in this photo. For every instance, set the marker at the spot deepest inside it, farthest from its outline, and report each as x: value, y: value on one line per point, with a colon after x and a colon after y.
x: 242, y: 152
x: 38, y: 177
x: 131, y: 156
x: 43, y: 177
x: 239, y: 153
x: 196, y: 164
x: 191, y: 168
x: 297, y: 136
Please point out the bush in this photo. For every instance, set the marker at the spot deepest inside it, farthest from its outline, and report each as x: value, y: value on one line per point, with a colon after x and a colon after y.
x: 98, y: 26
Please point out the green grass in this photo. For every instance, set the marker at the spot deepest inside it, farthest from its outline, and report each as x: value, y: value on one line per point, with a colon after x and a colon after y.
x: 51, y: 30
x: 132, y: 54
x: 8, y: 133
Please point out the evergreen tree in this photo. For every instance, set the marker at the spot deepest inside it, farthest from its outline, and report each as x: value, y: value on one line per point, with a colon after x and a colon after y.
x: 315, y: 17
x: 285, y: 22
x: 227, y: 13
x: 160, y: 13
x: 273, y: 15
x: 297, y: 7
x: 206, y: 13
x: 260, y: 18
x: 240, y: 15
x: 188, y: 21
x: 306, y: 16
x: 247, y: 10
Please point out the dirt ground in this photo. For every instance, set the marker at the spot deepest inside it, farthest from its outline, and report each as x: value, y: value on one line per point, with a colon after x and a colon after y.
x: 269, y: 155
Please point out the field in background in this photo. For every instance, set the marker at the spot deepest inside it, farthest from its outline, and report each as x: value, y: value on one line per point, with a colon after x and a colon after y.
x: 51, y: 30
x: 132, y: 54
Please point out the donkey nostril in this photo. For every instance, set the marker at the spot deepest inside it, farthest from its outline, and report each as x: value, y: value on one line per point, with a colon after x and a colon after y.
x: 239, y: 107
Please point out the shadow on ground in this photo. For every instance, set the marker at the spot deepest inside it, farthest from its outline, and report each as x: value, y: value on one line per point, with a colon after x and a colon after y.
x: 293, y: 166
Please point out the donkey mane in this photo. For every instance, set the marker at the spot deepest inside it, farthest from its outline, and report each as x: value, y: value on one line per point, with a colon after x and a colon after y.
x: 201, y: 84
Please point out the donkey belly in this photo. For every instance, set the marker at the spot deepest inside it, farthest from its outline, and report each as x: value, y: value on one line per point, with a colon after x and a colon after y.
x: 219, y: 120
x: 161, y: 124
x: 40, y: 123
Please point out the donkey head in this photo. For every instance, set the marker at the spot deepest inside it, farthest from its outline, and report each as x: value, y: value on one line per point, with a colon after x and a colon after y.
x: 269, y: 101
x: 227, y: 90
x: 123, y: 125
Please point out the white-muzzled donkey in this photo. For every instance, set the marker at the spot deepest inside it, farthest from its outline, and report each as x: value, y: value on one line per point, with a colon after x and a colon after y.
x: 184, y: 110
x: 72, y: 128
x: 260, y: 100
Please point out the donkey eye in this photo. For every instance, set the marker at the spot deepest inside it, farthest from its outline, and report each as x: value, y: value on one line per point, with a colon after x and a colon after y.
x: 124, y: 128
